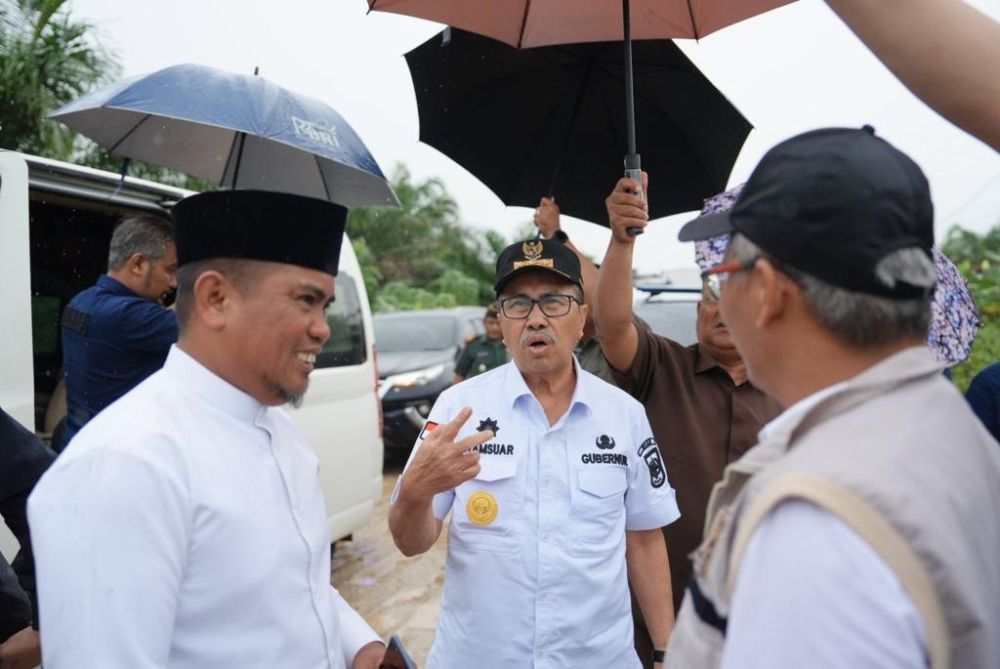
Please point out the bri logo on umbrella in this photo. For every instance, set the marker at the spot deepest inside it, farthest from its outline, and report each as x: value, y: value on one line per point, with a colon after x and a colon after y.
x: 317, y: 131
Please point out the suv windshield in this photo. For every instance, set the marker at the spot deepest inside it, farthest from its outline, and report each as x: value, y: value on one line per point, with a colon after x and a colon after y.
x: 414, y: 332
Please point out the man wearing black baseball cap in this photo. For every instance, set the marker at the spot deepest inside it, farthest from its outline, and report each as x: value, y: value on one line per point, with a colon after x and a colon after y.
x: 861, y: 530
x: 561, y: 506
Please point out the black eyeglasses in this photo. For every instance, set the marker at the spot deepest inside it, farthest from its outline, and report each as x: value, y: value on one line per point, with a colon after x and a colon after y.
x: 553, y: 306
x: 714, y: 277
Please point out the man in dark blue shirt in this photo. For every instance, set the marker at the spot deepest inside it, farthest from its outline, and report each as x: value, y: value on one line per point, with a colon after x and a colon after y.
x: 117, y: 332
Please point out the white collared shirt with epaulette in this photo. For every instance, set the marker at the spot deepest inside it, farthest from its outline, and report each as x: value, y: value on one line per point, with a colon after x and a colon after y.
x: 536, y: 572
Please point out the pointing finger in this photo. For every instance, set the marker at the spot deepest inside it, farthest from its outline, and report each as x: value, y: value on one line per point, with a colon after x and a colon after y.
x: 446, y: 433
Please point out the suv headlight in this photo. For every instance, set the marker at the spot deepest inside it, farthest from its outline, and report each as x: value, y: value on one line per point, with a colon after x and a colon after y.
x: 419, y: 377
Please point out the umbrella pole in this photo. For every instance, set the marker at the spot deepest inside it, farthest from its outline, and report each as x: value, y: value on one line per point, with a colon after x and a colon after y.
x: 633, y: 166
x: 242, y: 139
x: 239, y: 158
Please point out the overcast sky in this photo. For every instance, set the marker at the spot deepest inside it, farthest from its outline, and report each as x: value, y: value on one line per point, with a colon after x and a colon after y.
x: 790, y: 70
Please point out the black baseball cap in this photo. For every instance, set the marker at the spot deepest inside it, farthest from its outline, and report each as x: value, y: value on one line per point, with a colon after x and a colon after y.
x: 548, y: 255
x: 259, y: 225
x: 832, y: 203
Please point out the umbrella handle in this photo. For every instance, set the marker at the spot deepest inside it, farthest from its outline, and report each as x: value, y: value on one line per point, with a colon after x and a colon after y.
x: 633, y: 170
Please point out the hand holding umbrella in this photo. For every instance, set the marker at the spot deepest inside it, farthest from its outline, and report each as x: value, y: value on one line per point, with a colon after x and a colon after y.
x: 628, y: 212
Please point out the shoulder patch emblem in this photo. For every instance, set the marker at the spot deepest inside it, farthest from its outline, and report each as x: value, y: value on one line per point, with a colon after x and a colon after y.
x: 650, y: 452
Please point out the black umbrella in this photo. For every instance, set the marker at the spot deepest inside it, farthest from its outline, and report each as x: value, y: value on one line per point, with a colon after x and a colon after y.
x: 548, y: 121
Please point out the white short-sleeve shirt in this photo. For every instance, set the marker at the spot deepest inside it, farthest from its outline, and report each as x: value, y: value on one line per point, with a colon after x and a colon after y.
x: 536, y: 572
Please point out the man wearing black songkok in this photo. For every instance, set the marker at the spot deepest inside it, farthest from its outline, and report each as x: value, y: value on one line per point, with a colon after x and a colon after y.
x: 212, y: 547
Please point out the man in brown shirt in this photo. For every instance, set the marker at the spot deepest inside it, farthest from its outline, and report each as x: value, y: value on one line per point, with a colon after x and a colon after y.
x: 703, y: 410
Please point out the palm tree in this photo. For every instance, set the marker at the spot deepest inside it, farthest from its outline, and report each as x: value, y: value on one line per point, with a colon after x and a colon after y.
x: 421, y: 253
x: 47, y: 59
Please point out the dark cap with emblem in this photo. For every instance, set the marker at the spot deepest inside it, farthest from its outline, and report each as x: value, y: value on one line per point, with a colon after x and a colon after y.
x: 259, y: 225
x: 833, y: 203
x: 547, y: 255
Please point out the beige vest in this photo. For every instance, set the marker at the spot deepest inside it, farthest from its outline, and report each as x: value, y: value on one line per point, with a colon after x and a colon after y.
x: 898, y: 456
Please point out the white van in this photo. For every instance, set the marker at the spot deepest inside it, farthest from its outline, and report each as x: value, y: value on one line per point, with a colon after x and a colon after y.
x: 55, y: 227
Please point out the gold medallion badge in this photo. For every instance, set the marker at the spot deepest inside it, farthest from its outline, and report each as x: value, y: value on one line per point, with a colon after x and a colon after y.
x: 482, y: 508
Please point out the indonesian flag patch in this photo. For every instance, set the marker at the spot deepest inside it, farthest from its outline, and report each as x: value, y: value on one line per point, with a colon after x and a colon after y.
x: 429, y: 427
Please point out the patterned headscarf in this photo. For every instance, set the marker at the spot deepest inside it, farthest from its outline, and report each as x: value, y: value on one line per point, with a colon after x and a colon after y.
x: 709, y: 252
x: 954, y: 319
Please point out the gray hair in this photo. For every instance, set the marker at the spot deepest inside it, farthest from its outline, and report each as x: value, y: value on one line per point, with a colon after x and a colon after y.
x: 861, y: 320
x: 144, y: 233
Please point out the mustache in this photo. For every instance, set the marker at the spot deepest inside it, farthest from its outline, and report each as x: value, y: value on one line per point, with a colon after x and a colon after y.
x: 527, y: 337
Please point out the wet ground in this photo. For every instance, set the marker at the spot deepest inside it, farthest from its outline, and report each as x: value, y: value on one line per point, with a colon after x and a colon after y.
x: 395, y: 594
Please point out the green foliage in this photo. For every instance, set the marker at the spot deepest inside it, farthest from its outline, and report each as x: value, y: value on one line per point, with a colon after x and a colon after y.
x: 47, y: 59
x: 978, y: 258
x: 421, y: 255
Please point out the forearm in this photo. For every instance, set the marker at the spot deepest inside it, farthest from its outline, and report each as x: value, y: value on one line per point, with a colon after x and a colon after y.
x: 414, y: 526
x: 614, y: 290
x: 649, y: 576
x: 613, y: 316
x: 941, y: 50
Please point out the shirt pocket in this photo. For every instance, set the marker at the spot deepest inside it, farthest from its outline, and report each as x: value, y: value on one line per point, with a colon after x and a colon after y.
x: 488, y: 508
x: 599, y: 509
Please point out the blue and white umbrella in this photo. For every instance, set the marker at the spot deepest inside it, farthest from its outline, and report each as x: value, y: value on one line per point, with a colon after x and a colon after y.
x: 238, y: 131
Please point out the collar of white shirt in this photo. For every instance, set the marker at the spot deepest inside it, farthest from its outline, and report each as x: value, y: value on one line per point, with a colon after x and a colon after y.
x: 583, y: 394
x: 199, y: 380
x: 795, y: 412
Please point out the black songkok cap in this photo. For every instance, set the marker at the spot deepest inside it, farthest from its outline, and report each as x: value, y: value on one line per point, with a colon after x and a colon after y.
x: 549, y: 255
x: 259, y: 225
x: 832, y: 203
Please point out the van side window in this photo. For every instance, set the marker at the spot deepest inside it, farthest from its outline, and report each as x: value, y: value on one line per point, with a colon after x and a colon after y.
x: 346, y: 345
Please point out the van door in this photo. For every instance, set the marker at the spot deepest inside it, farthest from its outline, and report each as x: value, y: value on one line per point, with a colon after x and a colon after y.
x: 17, y: 389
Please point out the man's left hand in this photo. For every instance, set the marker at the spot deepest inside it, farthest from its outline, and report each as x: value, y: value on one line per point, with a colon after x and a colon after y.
x: 370, y: 656
x: 23, y: 650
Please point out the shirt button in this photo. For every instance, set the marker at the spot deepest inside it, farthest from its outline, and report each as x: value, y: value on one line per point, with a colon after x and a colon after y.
x: 545, y: 537
x: 540, y: 654
x: 543, y: 596
x: 545, y: 480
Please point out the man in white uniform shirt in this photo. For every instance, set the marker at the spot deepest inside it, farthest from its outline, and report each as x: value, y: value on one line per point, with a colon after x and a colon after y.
x: 185, y: 527
x: 552, y: 479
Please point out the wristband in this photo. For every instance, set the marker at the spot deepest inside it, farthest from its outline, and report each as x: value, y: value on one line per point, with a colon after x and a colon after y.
x: 658, y: 655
